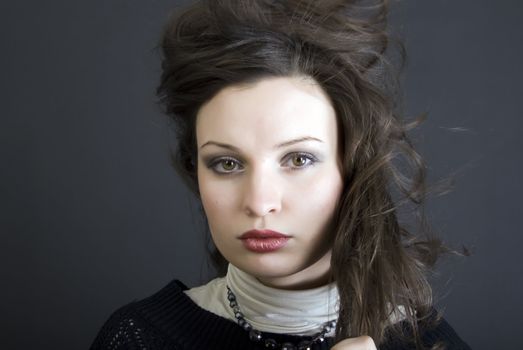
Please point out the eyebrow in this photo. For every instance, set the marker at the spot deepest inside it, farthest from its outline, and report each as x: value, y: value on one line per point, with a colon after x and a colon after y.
x: 298, y: 140
x: 280, y: 145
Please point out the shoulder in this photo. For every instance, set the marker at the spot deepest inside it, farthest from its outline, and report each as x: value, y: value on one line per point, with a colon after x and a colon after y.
x: 139, y: 323
x: 169, y: 319
x: 443, y: 333
x: 434, y: 331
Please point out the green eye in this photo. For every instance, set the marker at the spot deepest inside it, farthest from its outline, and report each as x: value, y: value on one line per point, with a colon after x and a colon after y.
x: 228, y: 164
x: 225, y: 165
x: 299, y: 160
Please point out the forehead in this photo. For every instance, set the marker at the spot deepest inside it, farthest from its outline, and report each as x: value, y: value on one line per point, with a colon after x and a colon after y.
x: 269, y: 110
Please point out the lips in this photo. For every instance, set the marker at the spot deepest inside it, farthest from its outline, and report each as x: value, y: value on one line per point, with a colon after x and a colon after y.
x: 263, y: 241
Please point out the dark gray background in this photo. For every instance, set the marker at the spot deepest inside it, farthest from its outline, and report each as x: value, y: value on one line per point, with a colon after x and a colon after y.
x: 92, y: 216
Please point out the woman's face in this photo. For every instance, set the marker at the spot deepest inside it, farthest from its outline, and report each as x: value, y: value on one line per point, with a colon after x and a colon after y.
x: 269, y: 178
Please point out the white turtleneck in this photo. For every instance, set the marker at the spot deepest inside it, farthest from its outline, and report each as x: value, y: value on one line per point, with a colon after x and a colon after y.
x: 297, y: 312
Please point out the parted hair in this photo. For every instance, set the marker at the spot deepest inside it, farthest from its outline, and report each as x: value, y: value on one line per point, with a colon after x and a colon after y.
x: 380, y: 266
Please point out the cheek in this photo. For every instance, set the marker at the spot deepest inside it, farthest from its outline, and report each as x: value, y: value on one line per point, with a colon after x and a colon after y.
x: 324, y: 194
x: 217, y: 202
x: 211, y: 205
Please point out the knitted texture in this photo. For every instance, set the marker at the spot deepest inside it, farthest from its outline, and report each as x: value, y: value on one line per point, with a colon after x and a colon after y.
x: 170, y: 320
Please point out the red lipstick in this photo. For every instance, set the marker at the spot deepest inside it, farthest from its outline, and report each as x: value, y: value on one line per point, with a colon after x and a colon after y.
x: 263, y: 241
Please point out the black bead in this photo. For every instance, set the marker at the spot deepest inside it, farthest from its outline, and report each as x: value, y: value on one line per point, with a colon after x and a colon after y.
x: 288, y: 346
x: 255, y: 335
x: 270, y: 343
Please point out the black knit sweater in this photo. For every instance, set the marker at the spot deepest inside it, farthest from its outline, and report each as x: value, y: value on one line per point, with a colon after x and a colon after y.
x: 170, y: 320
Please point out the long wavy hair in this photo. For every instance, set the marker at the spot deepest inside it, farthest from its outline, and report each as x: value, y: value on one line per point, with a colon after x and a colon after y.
x: 379, y: 266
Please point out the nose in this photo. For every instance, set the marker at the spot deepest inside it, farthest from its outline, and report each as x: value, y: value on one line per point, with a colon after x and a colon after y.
x: 262, y: 194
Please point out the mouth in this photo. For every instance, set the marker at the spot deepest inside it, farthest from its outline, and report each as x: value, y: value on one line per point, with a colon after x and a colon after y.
x: 264, y: 241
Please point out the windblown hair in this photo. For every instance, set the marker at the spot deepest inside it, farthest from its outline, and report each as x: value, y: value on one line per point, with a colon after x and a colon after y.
x: 378, y: 265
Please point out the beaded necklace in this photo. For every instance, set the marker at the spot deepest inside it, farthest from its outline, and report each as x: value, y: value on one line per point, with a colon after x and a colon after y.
x: 269, y: 343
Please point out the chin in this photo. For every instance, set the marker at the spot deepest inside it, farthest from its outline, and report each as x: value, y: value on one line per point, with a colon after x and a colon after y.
x: 267, y: 265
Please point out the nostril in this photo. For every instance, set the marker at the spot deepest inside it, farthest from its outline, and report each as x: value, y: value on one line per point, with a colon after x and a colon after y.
x: 261, y: 209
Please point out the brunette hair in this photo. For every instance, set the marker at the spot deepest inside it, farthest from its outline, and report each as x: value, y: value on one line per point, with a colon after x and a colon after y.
x: 379, y: 266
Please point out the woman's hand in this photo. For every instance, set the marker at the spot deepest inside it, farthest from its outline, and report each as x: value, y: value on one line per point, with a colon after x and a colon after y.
x: 360, y: 343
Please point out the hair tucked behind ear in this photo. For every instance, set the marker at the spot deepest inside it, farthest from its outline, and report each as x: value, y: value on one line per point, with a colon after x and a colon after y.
x: 378, y: 265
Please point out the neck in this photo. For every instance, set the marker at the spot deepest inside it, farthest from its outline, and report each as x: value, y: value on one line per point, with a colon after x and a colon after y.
x: 276, y: 310
x: 314, y: 276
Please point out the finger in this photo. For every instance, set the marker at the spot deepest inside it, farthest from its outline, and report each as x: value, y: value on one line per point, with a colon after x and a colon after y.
x: 359, y: 343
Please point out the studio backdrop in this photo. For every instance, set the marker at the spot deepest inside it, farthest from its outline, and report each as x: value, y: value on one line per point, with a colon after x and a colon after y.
x: 92, y: 215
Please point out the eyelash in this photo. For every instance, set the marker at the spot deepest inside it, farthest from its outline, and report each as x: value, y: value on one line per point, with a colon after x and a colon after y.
x: 215, y: 163
x: 310, y: 160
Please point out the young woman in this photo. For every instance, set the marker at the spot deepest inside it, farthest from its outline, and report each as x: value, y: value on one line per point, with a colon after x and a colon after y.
x: 288, y: 135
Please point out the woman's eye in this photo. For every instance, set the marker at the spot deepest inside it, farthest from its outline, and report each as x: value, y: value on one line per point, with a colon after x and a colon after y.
x: 300, y: 160
x: 225, y: 165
